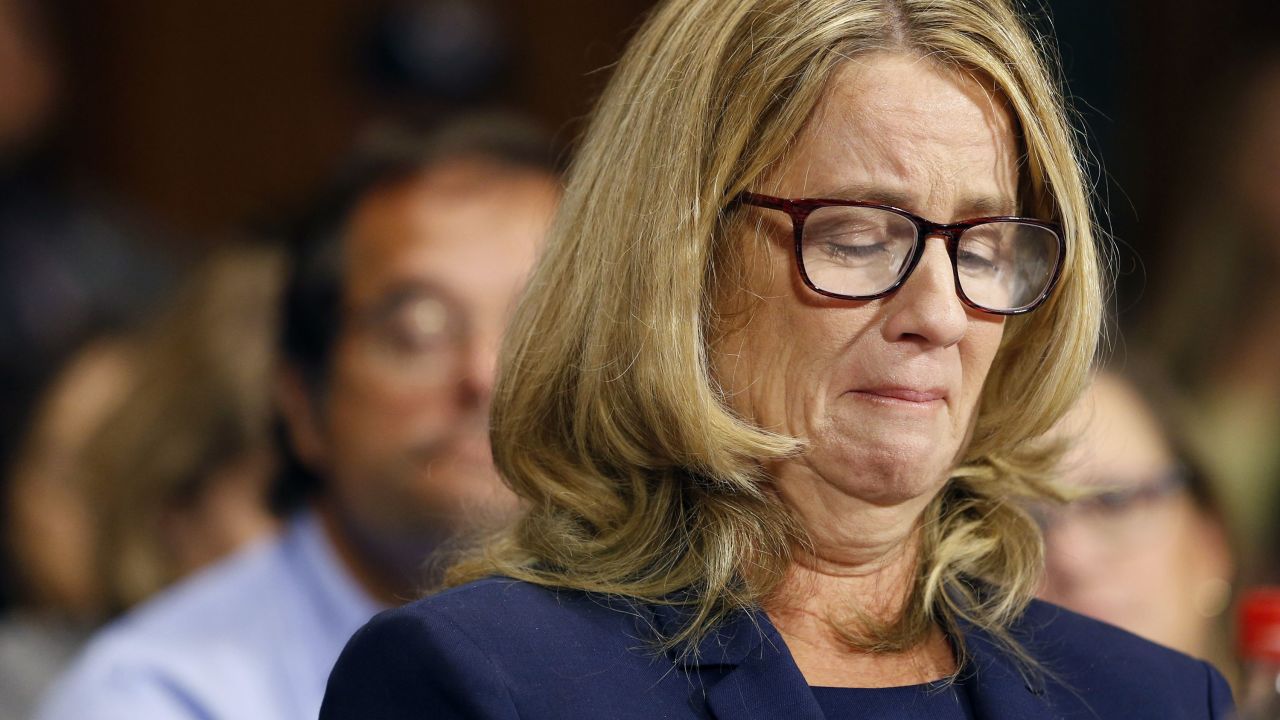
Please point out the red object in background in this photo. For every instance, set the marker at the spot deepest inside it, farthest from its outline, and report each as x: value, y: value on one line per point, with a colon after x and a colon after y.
x: 1260, y: 625
x: 1260, y: 651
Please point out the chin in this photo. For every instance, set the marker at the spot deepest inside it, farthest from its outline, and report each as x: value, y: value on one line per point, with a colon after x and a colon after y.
x: 884, y: 480
x: 467, y: 490
x: 888, y: 470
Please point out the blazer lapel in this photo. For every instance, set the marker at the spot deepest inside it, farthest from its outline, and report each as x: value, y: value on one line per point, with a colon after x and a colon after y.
x: 748, y: 672
x: 997, y: 689
x: 766, y: 685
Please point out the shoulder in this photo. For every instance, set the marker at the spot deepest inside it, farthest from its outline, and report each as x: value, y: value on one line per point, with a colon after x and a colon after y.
x: 224, y: 601
x: 1059, y: 636
x: 498, y: 648
x: 145, y: 658
x: 487, y: 607
x: 1094, y: 662
x: 509, y: 620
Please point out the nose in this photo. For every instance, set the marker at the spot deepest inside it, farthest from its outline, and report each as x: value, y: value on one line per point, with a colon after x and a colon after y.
x: 926, y: 308
x: 478, y: 366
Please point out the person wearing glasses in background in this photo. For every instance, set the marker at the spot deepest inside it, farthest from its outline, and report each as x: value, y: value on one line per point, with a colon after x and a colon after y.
x: 1147, y: 547
x: 402, y: 282
x: 823, y: 273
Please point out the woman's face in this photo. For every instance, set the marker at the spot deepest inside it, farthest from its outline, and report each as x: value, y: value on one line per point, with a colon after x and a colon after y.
x: 883, y: 391
x: 1149, y: 560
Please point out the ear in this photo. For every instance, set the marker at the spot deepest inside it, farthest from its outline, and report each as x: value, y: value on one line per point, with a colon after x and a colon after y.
x: 302, y: 418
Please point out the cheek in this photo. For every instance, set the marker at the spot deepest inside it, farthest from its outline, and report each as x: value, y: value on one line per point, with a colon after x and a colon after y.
x: 978, y: 352
x: 374, y: 408
x: 1197, y: 549
x: 768, y: 382
x: 778, y: 356
x: 777, y: 367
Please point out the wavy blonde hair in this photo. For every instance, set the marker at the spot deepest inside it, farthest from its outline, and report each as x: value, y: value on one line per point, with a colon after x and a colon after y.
x: 608, y: 421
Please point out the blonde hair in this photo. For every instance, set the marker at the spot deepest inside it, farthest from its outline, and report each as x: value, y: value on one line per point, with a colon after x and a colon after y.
x: 607, y: 419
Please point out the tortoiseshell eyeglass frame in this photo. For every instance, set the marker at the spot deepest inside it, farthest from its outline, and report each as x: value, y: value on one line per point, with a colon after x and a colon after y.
x: 800, y: 209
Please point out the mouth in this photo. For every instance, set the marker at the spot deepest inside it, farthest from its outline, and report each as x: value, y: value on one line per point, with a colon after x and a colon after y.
x: 902, y: 396
x: 469, y: 446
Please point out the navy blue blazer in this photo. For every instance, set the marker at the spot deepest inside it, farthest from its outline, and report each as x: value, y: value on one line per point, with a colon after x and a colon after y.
x: 499, y: 648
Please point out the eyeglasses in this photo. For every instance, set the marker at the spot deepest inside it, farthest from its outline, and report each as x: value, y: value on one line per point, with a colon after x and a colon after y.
x: 1123, y: 511
x: 862, y: 251
x: 414, y: 337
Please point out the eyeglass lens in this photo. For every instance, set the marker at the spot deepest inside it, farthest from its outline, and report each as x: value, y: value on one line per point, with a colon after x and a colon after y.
x: 415, y: 337
x: 861, y: 251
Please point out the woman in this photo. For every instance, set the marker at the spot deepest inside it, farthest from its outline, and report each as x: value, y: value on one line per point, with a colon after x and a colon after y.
x: 48, y: 523
x: 768, y: 461
x: 1148, y: 549
x: 178, y: 474
x: 150, y: 457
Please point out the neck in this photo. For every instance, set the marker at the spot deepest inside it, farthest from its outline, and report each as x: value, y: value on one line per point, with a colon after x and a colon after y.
x: 833, y: 584
x: 822, y: 603
x: 858, y: 568
x: 391, y: 571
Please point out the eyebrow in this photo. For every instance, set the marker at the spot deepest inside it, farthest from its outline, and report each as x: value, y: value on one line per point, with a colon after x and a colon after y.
x: 971, y: 207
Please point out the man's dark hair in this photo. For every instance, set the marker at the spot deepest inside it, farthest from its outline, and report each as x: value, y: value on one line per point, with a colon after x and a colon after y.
x: 311, y: 318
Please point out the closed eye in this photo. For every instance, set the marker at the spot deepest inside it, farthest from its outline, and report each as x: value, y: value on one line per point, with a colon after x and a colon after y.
x: 975, y: 263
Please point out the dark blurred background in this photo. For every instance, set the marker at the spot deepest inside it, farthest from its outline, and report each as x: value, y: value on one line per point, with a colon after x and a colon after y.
x: 205, y: 113
x: 199, y: 115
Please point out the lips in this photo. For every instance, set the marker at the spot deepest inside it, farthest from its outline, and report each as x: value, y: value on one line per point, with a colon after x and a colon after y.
x: 916, y: 395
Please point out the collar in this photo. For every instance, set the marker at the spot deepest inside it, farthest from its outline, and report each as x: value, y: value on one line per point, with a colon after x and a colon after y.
x: 749, y: 673
x: 746, y: 667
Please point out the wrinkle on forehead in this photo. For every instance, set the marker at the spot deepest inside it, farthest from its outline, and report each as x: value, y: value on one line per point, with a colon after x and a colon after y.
x: 890, y: 144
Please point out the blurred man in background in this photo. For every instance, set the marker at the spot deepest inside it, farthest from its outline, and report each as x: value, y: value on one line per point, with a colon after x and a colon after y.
x: 402, y: 283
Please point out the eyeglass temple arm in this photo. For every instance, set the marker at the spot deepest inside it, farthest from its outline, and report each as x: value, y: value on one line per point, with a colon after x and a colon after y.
x: 749, y: 198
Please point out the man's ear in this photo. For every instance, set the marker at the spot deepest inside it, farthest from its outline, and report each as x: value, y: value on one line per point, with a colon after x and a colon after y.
x: 301, y: 418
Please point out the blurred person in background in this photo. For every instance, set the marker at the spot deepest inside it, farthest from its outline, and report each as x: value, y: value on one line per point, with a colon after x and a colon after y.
x: 28, y: 76
x: 72, y: 278
x: 1146, y: 547
x: 71, y: 264
x: 48, y: 526
x: 150, y: 458
x: 1218, y: 325
x: 179, y: 474
x: 402, y: 282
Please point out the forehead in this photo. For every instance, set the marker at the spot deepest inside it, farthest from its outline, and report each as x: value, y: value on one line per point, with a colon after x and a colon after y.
x: 1115, y: 435
x: 465, y: 229
x: 908, y: 131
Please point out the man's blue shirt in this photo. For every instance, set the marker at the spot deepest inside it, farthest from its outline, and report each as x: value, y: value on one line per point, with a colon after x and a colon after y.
x: 252, y: 638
